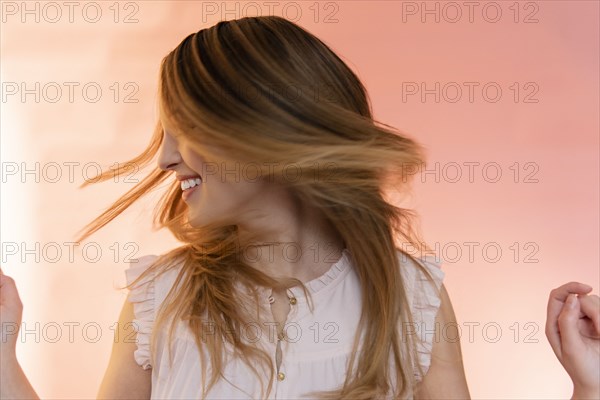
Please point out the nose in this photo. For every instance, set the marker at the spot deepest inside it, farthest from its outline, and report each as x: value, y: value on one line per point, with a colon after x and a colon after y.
x: 169, y: 156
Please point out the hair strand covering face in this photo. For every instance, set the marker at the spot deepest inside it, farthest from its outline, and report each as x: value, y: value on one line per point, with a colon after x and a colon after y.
x: 273, y: 94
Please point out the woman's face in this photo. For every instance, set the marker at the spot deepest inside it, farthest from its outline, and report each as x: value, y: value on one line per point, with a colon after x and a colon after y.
x: 220, y: 189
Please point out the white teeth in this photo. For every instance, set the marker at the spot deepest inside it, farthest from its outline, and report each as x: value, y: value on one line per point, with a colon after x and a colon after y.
x: 190, y: 183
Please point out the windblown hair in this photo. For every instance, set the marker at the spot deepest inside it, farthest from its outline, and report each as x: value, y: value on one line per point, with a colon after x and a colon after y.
x: 276, y: 96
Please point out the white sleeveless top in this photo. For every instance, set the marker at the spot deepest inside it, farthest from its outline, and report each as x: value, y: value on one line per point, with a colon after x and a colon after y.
x: 318, y: 344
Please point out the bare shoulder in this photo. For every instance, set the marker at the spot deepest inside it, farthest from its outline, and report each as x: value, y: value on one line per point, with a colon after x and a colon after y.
x: 445, y: 377
x: 124, y: 378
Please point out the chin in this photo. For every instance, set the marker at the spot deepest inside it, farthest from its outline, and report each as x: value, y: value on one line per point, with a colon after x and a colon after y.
x: 194, y: 219
x: 195, y: 222
x: 199, y: 215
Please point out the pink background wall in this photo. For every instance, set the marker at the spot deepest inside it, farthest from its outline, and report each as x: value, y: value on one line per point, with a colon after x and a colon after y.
x: 541, y: 134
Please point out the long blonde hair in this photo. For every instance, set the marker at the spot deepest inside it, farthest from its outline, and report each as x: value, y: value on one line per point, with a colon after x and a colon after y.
x: 274, y: 95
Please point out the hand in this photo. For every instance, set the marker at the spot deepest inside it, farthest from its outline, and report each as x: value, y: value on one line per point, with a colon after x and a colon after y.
x: 11, y: 311
x: 573, y: 330
x: 15, y: 384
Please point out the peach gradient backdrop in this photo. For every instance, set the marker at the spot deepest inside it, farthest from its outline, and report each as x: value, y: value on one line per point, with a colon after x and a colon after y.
x: 555, y: 128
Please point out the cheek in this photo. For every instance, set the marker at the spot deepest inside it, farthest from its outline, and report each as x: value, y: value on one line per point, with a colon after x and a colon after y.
x: 227, y: 199
x: 193, y: 160
x: 226, y: 189
x: 232, y: 191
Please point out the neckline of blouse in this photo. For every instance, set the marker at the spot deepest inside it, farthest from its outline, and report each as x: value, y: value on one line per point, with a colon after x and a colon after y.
x: 333, y: 274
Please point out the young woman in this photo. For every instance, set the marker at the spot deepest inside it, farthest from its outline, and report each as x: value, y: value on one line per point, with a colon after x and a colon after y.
x: 294, y: 278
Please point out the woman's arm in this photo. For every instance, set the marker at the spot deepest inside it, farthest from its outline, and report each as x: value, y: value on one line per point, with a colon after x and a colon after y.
x: 14, y: 382
x: 445, y: 378
x: 124, y: 378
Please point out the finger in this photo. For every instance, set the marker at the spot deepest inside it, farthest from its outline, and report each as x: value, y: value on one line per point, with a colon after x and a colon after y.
x: 571, y: 287
x: 556, y: 303
x: 8, y: 290
x: 559, y: 295
x: 590, y: 307
x: 570, y: 338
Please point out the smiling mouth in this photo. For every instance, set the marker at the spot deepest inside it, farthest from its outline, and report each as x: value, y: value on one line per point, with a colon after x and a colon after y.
x: 191, y: 183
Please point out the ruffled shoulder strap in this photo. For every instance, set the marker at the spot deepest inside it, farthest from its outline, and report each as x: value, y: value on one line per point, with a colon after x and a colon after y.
x: 425, y: 303
x: 142, y: 296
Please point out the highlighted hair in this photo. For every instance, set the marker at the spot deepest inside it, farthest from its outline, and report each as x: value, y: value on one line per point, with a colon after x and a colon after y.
x: 274, y: 95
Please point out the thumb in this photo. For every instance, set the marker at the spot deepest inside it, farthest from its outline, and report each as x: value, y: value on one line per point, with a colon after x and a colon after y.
x: 571, y: 342
x: 8, y: 291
